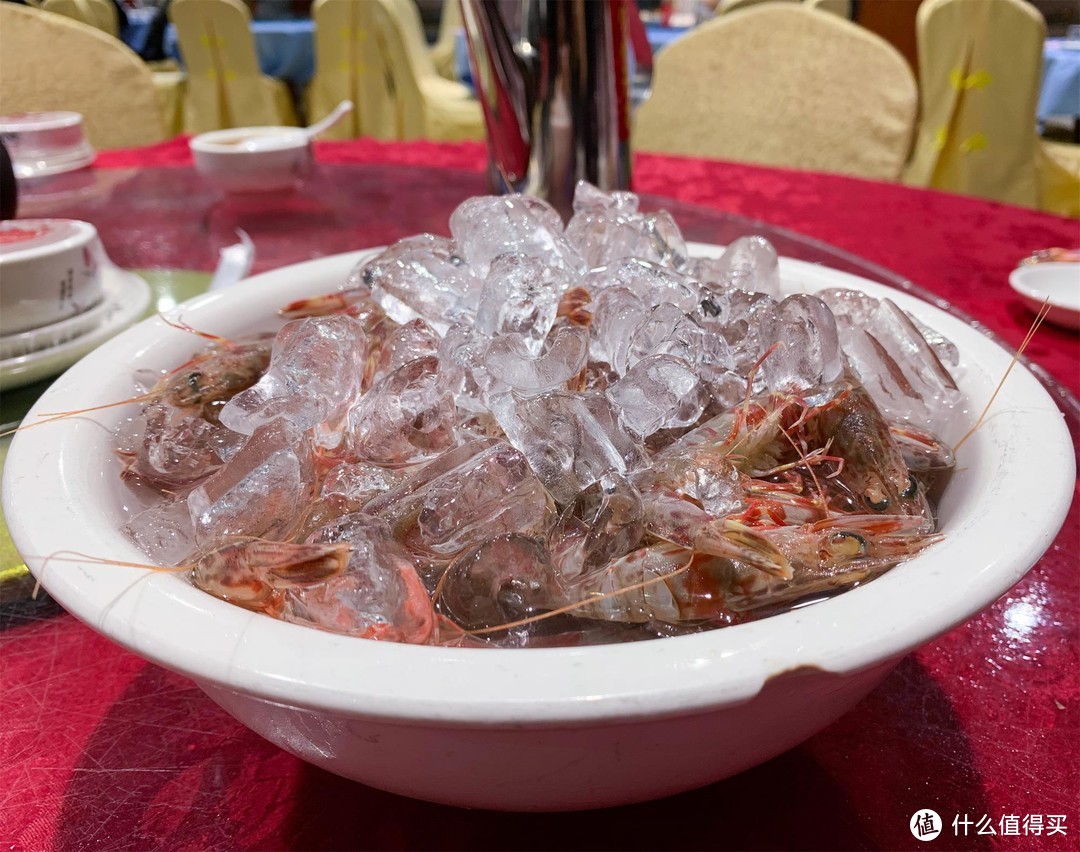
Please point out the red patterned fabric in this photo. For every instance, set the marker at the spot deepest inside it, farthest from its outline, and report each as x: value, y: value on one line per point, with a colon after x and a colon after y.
x: 101, y: 750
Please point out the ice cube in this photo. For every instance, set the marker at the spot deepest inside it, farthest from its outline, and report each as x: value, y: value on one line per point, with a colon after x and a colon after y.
x: 259, y: 492
x: 570, y: 440
x: 806, y: 351
x: 509, y: 360
x: 421, y: 277
x: 603, y: 522
x: 379, y: 596
x: 488, y: 226
x: 163, y: 532
x: 521, y: 296
x: 750, y: 264
x: 498, y: 582
x: 315, y: 374
x: 659, y: 392
x: 405, y: 418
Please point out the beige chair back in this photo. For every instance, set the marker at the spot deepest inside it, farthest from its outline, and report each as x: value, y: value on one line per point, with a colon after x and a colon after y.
x: 348, y: 65
x: 100, y: 14
x: 374, y: 53
x: 225, y: 87
x: 783, y: 85
x: 980, y: 65
x: 100, y: 77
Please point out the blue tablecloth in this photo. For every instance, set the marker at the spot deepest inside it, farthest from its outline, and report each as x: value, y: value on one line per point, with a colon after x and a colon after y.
x: 660, y: 36
x: 1060, y: 92
x: 138, y: 28
x: 286, y: 48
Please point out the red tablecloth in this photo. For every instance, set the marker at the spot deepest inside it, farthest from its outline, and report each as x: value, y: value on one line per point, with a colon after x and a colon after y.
x: 105, y: 751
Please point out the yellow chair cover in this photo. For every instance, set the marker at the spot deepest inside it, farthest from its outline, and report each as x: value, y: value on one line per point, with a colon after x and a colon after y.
x: 980, y: 66
x: 225, y: 87
x: 100, y: 77
x: 373, y: 52
x: 171, y: 86
x: 783, y: 85
x: 423, y: 104
x: 342, y: 44
x: 1058, y: 165
x: 443, y: 51
x: 100, y: 14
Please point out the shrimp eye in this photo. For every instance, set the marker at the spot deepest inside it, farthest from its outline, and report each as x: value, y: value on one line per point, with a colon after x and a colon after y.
x: 912, y: 488
x: 193, y: 380
x: 847, y: 544
x: 879, y: 505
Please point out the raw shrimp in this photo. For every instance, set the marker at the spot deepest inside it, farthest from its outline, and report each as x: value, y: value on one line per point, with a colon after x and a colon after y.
x: 667, y: 583
x: 210, y: 377
x: 275, y: 576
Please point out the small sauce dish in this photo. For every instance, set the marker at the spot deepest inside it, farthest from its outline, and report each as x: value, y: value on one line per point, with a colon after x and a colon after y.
x: 254, y: 159
x: 1058, y: 283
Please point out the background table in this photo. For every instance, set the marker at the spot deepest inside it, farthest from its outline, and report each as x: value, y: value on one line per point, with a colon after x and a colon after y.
x: 1060, y: 91
x: 286, y: 48
x: 101, y: 750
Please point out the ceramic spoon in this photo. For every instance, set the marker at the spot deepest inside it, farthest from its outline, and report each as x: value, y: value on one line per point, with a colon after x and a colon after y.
x: 341, y: 110
x: 271, y: 141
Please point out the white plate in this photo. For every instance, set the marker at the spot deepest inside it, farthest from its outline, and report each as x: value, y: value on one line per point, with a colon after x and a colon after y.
x: 1057, y: 282
x: 126, y: 298
x: 542, y: 728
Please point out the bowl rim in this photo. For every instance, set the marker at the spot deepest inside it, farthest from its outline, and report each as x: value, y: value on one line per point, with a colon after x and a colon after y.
x: 277, y: 138
x: 81, y: 233
x: 54, y: 490
x: 1023, y: 279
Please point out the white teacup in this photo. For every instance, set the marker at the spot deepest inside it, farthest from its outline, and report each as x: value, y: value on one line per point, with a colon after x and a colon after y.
x: 50, y: 270
x: 253, y: 159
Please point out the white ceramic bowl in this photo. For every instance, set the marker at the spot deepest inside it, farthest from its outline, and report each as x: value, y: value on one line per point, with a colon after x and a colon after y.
x: 50, y: 270
x: 541, y: 729
x: 1057, y: 282
x: 45, y: 143
x: 253, y: 159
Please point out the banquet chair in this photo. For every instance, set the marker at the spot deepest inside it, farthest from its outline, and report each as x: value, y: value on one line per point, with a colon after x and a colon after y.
x: 225, y: 87
x: 422, y: 104
x: 443, y: 52
x: 783, y: 85
x: 100, y: 77
x: 341, y: 30
x: 375, y: 52
x: 980, y: 70
x: 100, y: 14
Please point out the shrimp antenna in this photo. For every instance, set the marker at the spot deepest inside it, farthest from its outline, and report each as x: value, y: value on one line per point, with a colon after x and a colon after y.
x: 96, y: 560
x: 1039, y: 317
x: 52, y: 416
x: 180, y: 325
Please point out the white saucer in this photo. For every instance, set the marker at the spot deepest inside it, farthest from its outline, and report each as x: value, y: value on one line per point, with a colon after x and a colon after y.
x: 1057, y: 282
x: 55, y: 333
x: 67, y: 161
x: 127, y: 296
